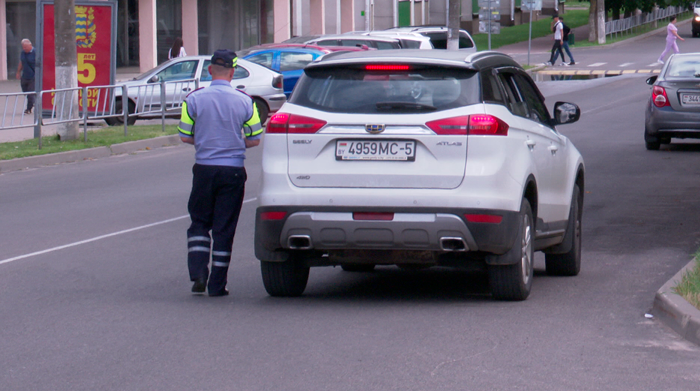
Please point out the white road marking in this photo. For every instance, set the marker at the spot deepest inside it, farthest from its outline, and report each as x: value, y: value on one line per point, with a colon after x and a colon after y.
x: 17, y: 258
x: 626, y: 64
x: 653, y: 64
x: 598, y: 64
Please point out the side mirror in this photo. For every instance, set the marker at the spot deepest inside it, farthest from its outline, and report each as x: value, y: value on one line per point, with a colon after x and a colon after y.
x: 566, y: 113
x: 652, y: 79
x: 154, y: 79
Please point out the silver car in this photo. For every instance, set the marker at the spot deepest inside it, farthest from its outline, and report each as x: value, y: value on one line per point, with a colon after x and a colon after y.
x: 438, y: 36
x: 673, y: 109
x: 264, y: 85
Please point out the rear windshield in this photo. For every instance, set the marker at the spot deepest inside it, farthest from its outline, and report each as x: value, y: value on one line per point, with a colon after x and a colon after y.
x: 684, y: 67
x: 356, y: 90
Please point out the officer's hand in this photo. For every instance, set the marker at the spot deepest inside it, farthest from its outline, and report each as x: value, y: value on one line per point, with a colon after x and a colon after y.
x: 251, y: 143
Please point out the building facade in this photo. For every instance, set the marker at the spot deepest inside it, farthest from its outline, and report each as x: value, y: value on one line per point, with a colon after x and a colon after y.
x: 146, y: 28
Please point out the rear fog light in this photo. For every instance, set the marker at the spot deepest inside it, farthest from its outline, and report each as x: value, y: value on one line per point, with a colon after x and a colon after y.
x: 385, y: 216
x: 272, y: 215
x: 491, y: 219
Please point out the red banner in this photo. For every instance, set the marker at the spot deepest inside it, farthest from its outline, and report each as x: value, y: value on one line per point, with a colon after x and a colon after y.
x: 93, y: 32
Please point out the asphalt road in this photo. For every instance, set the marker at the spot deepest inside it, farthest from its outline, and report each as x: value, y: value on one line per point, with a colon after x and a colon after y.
x: 107, y: 305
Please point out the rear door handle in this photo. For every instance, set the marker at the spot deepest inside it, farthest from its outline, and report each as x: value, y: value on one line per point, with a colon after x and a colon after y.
x: 187, y: 89
x: 241, y: 87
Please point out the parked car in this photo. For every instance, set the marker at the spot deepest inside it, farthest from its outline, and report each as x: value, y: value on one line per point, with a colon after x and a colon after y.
x: 418, y: 158
x: 381, y: 43
x: 325, y: 49
x: 673, y: 109
x: 438, y: 36
x: 264, y: 85
x: 407, y: 40
x: 290, y: 59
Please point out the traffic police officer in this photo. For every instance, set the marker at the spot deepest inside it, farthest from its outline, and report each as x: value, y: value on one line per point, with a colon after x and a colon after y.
x: 215, y: 120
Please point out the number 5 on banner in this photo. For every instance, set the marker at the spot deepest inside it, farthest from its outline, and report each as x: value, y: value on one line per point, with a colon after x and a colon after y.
x: 84, y: 67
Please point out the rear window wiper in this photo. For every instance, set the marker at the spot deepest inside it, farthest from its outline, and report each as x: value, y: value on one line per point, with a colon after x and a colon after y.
x: 404, y: 105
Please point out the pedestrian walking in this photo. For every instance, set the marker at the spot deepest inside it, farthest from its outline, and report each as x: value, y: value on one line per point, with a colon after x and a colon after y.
x: 177, y: 50
x: 221, y: 122
x: 25, y: 72
x: 671, y: 36
x: 566, y: 30
x: 558, y: 28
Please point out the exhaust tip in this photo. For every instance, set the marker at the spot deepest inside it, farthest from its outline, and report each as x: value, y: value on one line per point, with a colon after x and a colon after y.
x: 453, y: 244
x: 299, y: 242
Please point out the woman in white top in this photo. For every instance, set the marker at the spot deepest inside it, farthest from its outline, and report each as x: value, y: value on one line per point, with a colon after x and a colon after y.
x: 176, y: 48
x: 671, y: 36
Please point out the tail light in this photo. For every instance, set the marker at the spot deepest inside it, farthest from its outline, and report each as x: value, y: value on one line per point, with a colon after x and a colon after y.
x: 291, y: 123
x: 476, y: 124
x: 658, y: 95
x: 278, y: 82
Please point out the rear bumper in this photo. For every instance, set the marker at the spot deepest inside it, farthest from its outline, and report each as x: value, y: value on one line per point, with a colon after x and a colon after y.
x: 666, y: 120
x: 419, y: 229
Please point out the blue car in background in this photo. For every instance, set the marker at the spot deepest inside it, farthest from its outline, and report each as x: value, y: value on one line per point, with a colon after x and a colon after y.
x: 289, y: 61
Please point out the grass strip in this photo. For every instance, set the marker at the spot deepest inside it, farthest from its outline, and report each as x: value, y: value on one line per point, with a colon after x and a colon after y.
x: 689, y: 287
x: 97, y: 138
x: 519, y: 33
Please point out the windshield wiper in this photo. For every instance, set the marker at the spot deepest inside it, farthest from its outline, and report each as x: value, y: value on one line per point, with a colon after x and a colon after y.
x: 404, y: 105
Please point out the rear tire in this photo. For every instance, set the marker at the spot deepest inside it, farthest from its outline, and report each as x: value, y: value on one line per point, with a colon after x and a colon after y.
x: 569, y: 263
x: 263, y: 110
x: 285, y: 279
x: 652, y: 143
x: 358, y: 267
x: 116, y: 121
x: 511, y: 275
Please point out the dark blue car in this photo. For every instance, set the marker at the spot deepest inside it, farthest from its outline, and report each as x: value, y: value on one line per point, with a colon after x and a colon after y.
x: 290, y: 62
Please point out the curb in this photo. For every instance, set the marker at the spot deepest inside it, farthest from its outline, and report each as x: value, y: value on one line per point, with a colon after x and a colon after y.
x: 87, y: 154
x: 674, y: 311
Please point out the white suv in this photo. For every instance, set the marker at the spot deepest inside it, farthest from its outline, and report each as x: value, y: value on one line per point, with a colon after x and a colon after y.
x: 418, y: 158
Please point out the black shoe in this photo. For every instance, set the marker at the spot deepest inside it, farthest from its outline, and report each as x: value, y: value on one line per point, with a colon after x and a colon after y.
x: 27, y: 111
x: 199, y: 286
x: 572, y: 63
x: 218, y: 294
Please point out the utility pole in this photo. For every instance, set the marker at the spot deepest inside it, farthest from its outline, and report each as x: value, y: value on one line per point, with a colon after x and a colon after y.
x: 453, y: 25
x: 66, y: 68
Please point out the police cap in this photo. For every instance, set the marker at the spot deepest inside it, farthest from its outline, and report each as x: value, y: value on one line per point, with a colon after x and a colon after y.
x: 225, y: 58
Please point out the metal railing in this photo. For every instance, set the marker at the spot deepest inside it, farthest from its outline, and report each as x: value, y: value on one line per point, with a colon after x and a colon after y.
x: 13, y: 116
x: 102, y: 102
x: 628, y: 25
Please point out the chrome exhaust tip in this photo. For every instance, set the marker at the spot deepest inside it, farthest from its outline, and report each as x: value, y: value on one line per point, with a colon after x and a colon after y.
x: 453, y: 244
x: 299, y: 242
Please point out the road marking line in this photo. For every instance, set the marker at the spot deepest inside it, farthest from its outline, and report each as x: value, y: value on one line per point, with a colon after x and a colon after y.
x: 598, y: 64
x: 629, y: 71
x: 626, y: 64
x: 653, y: 64
x: 615, y: 72
x: 644, y: 71
x: 657, y: 70
x: 17, y: 258
x: 583, y: 72
x: 598, y: 72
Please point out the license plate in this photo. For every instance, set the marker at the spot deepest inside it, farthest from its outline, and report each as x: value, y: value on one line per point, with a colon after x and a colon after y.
x: 690, y: 99
x: 393, y: 150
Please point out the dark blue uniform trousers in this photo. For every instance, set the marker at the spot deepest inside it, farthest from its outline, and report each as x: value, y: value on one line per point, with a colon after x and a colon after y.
x: 214, y: 205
